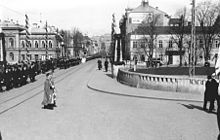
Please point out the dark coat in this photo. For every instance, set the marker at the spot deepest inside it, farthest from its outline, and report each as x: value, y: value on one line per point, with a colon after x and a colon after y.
x: 211, y: 90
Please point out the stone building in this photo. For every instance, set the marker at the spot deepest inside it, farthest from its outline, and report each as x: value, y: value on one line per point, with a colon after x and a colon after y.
x: 15, y: 43
x: 165, y: 48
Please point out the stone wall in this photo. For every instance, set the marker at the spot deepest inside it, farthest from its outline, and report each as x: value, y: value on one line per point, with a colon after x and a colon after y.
x: 162, y: 82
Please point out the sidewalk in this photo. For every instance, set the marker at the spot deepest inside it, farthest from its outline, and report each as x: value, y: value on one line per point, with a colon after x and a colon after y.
x: 102, y: 82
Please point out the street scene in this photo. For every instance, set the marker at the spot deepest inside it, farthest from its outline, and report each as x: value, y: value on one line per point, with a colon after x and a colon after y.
x: 104, y: 70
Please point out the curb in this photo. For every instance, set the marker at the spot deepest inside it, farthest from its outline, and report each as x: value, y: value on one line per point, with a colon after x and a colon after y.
x: 138, y: 96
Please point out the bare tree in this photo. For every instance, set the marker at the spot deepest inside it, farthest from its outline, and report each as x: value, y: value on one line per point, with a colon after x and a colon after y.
x: 148, y: 29
x: 180, y: 33
x: 77, y: 38
x: 206, y: 14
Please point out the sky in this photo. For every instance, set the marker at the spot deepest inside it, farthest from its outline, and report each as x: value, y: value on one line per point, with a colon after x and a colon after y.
x: 92, y: 17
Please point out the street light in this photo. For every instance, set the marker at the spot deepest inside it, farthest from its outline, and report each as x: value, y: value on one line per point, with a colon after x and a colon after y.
x: 62, y: 46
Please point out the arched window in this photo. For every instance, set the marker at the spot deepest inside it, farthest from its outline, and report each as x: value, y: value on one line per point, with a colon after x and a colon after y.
x: 23, y: 44
x: 43, y: 44
x: 11, y: 56
x: 29, y: 45
x: 50, y: 44
x: 36, y: 44
x: 11, y: 42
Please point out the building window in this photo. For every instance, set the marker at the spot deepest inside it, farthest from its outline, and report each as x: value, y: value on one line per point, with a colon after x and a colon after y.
x: 29, y: 56
x: 43, y: 44
x: 134, y: 44
x: 23, y: 44
x: 170, y: 44
x: 142, y: 44
x: 142, y: 58
x: 36, y: 44
x: 43, y: 57
x: 11, y: 42
x: 50, y: 56
x: 217, y: 44
x: 160, y: 43
x: 30, y: 44
x: 130, y: 20
x: 50, y: 44
x: 201, y: 43
x: 36, y: 56
x: 11, y: 56
x: 23, y: 57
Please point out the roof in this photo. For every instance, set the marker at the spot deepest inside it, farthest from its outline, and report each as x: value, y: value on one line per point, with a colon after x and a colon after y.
x: 38, y: 30
x: 145, y: 7
x: 172, y: 30
x: 174, y: 21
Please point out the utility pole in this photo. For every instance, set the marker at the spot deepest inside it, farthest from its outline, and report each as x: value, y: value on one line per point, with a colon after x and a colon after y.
x: 193, y: 43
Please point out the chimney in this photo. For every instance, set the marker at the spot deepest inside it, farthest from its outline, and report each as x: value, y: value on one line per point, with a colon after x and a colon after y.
x: 157, y: 8
x: 144, y: 3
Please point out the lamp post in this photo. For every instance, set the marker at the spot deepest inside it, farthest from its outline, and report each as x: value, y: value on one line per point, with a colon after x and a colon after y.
x: 62, y: 46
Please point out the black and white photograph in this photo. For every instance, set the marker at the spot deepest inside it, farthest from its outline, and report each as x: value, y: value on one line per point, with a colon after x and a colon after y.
x: 109, y: 70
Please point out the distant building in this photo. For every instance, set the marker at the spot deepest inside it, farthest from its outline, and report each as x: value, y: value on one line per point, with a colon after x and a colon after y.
x: 165, y: 48
x: 16, y: 49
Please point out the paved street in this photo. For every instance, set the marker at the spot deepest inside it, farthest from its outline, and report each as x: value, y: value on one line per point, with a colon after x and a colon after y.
x: 87, y: 114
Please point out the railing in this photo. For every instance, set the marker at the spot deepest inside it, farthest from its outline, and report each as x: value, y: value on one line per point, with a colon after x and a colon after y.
x: 162, y: 82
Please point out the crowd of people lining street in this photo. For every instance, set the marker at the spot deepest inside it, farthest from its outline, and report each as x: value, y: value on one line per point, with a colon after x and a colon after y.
x: 19, y: 74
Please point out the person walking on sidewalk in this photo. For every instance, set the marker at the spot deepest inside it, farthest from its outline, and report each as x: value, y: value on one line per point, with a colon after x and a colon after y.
x: 106, y: 65
x: 47, y: 99
x: 99, y: 64
x: 211, y: 92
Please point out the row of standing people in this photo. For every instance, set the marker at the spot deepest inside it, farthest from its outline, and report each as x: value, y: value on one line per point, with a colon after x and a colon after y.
x: 19, y: 74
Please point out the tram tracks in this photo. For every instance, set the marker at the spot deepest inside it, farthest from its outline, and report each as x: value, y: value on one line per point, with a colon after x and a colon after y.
x: 24, y: 96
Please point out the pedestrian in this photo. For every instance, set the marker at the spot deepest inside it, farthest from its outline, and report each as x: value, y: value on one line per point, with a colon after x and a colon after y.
x: 99, y: 64
x: 106, y: 65
x: 47, y: 100
x: 211, y: 92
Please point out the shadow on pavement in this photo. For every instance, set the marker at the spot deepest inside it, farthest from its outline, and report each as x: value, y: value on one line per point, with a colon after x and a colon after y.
x: 109, y: 75
x: 190, y: 106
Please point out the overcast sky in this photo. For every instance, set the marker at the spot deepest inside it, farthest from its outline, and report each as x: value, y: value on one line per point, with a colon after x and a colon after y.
x: 92, y: 17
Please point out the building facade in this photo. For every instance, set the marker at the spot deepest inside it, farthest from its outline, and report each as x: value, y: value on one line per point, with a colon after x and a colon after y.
x: 164, y: 40
x: 15, y: 43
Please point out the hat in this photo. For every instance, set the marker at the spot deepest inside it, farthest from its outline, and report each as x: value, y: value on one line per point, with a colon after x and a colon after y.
x: 213, y: 75
x: 47, y: 74
x: 209, y: 77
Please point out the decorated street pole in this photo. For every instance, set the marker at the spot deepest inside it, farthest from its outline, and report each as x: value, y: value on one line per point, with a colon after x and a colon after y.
x: 27, y: 37
x: 46, y: 40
